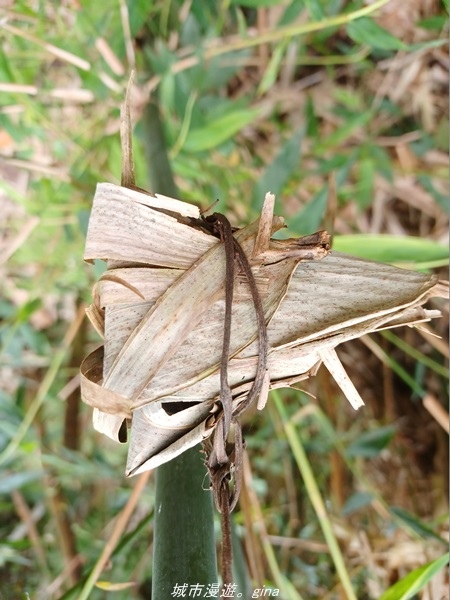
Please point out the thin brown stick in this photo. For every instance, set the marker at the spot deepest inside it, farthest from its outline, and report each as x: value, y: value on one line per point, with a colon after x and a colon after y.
x: 66, y: 537
x: 113, y: 540
x: 223, y: 227
x: 219, y: 463
x: 126, y: 141
x: 227, y: 549
x: 23, y: 510
x: 437, y: 411
x: 261, y: 366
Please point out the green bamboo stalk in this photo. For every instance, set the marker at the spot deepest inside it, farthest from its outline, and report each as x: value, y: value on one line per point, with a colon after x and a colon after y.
x: 184, y: 550
x: 184, y: 545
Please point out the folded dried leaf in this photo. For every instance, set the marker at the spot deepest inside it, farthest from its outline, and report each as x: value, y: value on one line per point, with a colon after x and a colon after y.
x: 161, y: 302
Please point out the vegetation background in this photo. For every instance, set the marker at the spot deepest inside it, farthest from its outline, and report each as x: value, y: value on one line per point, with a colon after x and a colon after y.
x: 338, y: 107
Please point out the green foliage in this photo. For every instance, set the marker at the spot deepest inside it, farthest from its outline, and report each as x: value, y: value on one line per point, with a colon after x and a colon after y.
x: 280, y: 170
x: 18, y: 480
x: 366, y: 31
x: 393, y: 249
x: 415, y: 581
x: 416, y: 524
x: 356, y: 502
x: 218, y: 131
x: 371, y: 443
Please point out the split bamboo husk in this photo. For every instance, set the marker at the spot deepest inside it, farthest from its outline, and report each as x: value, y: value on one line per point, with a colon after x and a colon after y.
x: 160, y: 308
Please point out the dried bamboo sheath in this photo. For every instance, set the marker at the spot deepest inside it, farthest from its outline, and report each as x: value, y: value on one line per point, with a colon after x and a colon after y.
x: 160, y: 308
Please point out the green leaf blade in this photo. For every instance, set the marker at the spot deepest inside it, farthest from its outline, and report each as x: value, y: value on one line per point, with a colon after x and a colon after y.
x: 391, y: 248
x: 279, y: 171
x: 367, y: 31
x: 415, y: 581
x: 219, y: 131
x: 371, y: 443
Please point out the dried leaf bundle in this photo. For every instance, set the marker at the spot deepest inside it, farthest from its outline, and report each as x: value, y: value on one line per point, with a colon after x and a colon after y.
x: 160, y: 308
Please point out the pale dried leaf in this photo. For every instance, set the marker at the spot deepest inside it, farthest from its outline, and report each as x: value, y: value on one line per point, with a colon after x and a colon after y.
x: 163, y: 307
x: 201, y: 351
x: 155, y: 441
x: 331, y: 360
x: 123, y: 226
